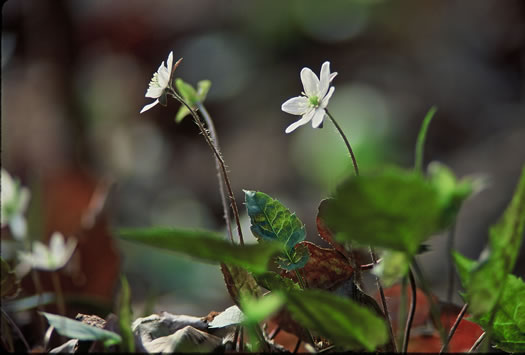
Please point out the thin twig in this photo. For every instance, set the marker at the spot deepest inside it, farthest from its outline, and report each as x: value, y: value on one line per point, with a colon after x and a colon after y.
x: 220, y: 175
x: 297, y: 346
x: 454, y: 327
x: 411, y: 312
x: 233, y: 203
x: 477, y: 343
x: 16, y: 329
x: 451, y: 273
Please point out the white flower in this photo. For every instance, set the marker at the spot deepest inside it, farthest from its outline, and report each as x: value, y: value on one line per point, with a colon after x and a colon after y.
x: 160, y: 81
x: 311, y: 105
x: 14, y: 201
x: 50, y: 258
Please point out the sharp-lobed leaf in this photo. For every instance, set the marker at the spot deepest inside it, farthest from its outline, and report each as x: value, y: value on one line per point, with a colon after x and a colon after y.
x: 205, y: 245
x: 272, y: 221
x: 77, y: 330
x: 346, y: 323
x: 394, y: 209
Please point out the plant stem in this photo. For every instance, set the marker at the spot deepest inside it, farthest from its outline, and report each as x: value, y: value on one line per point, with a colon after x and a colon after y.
x: 16, y: 329
x: 350, y: 151
x: 433, y: 308
x: 218, y: 155
x: 478, y: 342
x: 411, y: 312
x: 418, y: 165
x: 297, y: 346
x: 274, y: 333
x: 372, y: 252
x: 454, y: 327
x: 58, y: 291
x: 451, y: 273
x: 220, y: 175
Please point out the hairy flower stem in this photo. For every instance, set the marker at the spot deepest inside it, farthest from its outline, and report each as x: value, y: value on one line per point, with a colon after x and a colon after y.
x: 220, y: 175
x: 433, y: 307
x: 454, y: 327
x: 372, y: 252
x: 218, y: 155
x: 411, y: 312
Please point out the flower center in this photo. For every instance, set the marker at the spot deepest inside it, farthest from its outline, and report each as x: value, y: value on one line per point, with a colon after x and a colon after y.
x: 314, y: 101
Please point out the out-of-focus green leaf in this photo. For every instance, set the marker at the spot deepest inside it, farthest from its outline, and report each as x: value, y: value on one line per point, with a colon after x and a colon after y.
x: 77, y: 330
x: 420, y: 144
x: 8, y: 282
x: 486, y: 281
x: 27, y: 303
x: 258, y: 309
x: 128, y: 344
x: 187, y: 91
x: 395, y: 209
x: 273, y: 281
x: 190, y: 95
x: 394, y: 265
x: 203, y: 87
x: 205, y: 245
x: 272, y: 221
x: 345, y: 322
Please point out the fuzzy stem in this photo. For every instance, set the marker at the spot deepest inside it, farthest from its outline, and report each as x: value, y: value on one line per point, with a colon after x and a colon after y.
x: 350, y: 151
x: 411, y: 312
x: 372, y: 252
x: 220, y: 175
x: 197, y: 120
x: 454, y: 327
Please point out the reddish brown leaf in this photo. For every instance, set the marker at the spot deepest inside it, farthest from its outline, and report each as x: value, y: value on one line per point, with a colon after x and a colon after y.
x: 325, y: 269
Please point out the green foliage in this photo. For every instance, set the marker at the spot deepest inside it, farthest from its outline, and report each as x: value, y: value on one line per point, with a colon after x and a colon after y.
x: 239, y: 282
x: 420, y: 144
x: 345, y: 322
x: 273, y: 281
x: 125, y: 318
x: 191, y: 96
x: 205, y: 245
x: 394, y: 209
x: 273, y: 222
x: 258, y: 309
x: 485, y: 281
x: 393, y: 266
x: 77, y: 330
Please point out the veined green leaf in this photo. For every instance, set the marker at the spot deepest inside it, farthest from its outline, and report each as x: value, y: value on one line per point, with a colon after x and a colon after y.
x: 340, y: 319
x: 395, y: 209
x: 273, y: 282
x: 124, y: 318
x: 272, y: 221
x: 205, y: 245
x: 77, y: 330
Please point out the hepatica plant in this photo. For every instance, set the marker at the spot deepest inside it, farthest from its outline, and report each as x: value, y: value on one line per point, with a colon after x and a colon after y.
x: 374, y: 223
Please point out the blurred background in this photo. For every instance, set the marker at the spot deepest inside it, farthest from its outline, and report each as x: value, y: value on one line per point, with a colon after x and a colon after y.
x: 74, y: 75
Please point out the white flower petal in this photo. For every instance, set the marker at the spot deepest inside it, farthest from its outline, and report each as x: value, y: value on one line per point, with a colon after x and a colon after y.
x: 332, y: 76
x: 310, y: 82
x: 318, y: 117
x: 304, y: 120
x: 324, y: 81
x: 147, y: 107
x: 163, y: 76
x: 170, y: 63
x: 296, y: 105
x: 154, y: 92
x: 324, y: 101
x: 18, y: 227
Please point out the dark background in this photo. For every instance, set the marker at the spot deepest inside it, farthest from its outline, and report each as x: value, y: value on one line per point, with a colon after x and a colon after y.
x: 74, y: 74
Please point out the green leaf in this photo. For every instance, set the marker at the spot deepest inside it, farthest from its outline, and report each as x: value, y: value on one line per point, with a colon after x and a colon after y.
x: 273, y: 281
x: 205, y: 245
x: 394, y: 265
x: 272, y: 221
x: 27, y: 303
x: 125, y: 320
x: 203, y: 87
x: 77, y: 330
x: 339, y: 319
x: 395, y: 209
x: 9, y: 283
x: 258, y: 309
x: 420, y: 144
x: 187, y: 91
x: 485, y: 282
x: 181, y: 113
x: 508, y: 329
